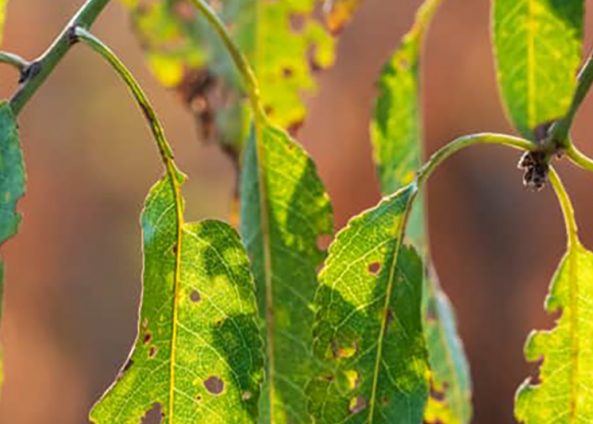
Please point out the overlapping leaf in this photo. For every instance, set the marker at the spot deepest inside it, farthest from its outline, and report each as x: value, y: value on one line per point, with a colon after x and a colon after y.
x: 368, y: 326
x: 198, y: 350
x: 564, y: 392
x: 284, y: 211
x: 12, y: 184
x: 282, y: 40
x: 396, y: 132
x: 450, y: 371
x: 538, y: 51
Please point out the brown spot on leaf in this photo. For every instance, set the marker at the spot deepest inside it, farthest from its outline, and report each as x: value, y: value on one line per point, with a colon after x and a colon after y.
x: 152, y: 352
x: 147, y: 337
x: 194, y: 296
x: 214, y: 385
x: 374, y: 268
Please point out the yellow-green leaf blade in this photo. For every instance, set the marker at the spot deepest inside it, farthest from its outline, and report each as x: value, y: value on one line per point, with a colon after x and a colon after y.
x: 198, y: 351
x: 368, y: 325
x: 537, y: 44
x: 564, y: 393
x: 284, y: 211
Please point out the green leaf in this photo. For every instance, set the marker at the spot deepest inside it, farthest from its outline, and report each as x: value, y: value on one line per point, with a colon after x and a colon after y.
x: 198, y: 351
x: 396, y: 133
x: 450, y: 370
x: 284, y: 211
x: 537, y: 44
x: 12, y: 185
x: 564, y: 393
x: 283, y: 41
x: 368, y: 326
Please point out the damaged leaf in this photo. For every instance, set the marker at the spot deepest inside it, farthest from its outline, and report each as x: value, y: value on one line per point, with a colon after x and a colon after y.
x: 198, y: 350
x: 368, y: 324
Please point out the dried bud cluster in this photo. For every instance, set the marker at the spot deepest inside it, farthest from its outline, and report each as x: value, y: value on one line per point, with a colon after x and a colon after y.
x: 536, y: 167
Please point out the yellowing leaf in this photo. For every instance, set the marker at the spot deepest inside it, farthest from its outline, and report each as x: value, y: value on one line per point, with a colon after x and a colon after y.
x: 537, y: 45
x: 283, y: 40
x: 564, y: 393
x: 284, y: 211
x: 369, y: 305
x: 198, y: 350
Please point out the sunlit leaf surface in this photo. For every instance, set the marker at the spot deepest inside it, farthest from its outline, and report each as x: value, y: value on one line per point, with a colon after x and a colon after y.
x: 368, y: 325
x: 537, y: 45
x: 284, y: 212
x: 198, y: 350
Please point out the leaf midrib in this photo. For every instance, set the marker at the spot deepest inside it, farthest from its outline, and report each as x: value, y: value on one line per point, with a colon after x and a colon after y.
x: 393, y: 268
x: 171, y: 171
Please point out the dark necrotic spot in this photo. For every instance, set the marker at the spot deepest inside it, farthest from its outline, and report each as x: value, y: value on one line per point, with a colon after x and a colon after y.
x: 147, y: 337
x: 195, y: 296
x: 152, y: 352
x: 214, y: 385
x: 374, y: 268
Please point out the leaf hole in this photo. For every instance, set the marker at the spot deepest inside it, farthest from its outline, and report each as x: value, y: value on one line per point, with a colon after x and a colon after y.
x: 154, y: 415
x: 357, y: 404
x: 374, y: 268
x: 214, y: 385
x: 194, y: 296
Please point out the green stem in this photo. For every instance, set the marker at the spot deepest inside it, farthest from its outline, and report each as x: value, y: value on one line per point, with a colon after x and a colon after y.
x: 151, y: 116
x: 560, y: 130
x: 579, y: 158
x: 462, y: 142
x: 41, y: 68
x: 238, y: 57
x: 14, y: 60
x: 567, y: 209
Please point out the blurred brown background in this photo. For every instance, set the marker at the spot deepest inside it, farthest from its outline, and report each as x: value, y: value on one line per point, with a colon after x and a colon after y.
x: 73, y: 276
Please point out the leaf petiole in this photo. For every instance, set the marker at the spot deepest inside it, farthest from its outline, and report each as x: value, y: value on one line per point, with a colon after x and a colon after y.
x: 14, y: 60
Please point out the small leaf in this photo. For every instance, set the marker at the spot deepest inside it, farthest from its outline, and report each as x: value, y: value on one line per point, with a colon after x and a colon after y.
x: 198, y: 351
x: 284, y: 212
x: 564, y: 393
x: 396, y: 132
x: 368, y: 325
x: 12, y: 185
x: 537, y: 44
